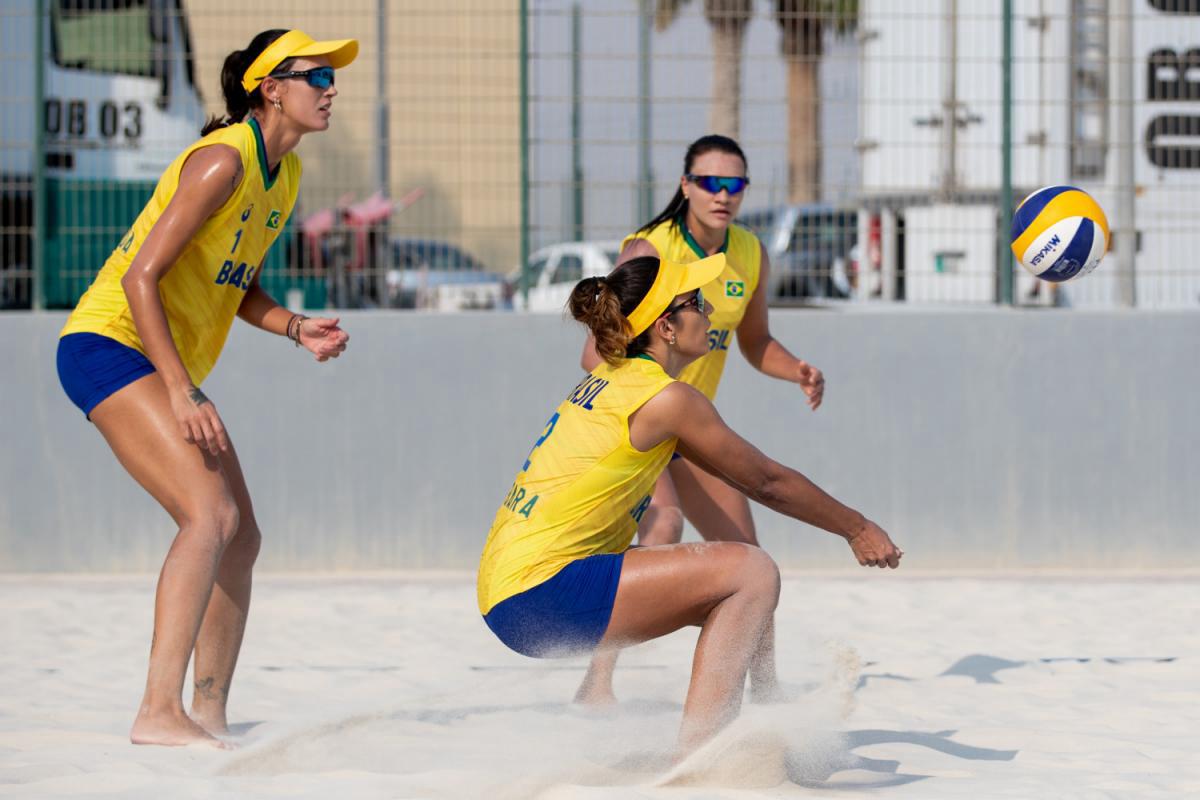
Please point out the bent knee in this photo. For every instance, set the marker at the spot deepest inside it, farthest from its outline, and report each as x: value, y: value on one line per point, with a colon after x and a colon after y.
x: 756, y: 570
x: 246, y: 545
x: 216, y: 520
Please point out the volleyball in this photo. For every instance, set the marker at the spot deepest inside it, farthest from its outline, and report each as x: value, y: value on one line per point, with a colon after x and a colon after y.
x: 1059, y: 233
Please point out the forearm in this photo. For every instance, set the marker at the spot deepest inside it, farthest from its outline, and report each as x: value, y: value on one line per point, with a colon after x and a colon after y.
x: 773, y: 359
x: 260, y: 310
x: 789, y: 492
x: 150, y: 319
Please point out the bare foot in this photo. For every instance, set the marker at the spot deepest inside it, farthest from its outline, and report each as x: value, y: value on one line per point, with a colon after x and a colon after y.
x: 595, y: 697
x: 213, y: 721
x: 172, y: 729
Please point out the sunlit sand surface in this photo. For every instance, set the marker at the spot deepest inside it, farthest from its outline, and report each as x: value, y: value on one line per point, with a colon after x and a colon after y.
x: 389, y: 685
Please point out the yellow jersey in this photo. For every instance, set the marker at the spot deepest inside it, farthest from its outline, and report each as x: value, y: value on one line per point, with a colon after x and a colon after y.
x: 729, y: 294
x: 204, y: 288
x: 583, y: 487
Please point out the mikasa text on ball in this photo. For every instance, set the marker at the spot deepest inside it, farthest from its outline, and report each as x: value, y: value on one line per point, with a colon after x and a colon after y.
x: 1059, y: 233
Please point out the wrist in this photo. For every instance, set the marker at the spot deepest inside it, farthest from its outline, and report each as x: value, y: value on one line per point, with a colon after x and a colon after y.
x: 293, y: 328
x: 180, y: 383
x: 853, y: 525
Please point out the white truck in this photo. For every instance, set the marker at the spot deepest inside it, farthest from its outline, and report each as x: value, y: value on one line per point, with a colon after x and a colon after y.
x: 932, y: 187
x: 119, y: 102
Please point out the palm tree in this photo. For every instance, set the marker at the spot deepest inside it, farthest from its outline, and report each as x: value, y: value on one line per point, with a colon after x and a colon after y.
x: 728, y: 20
x: 803, y: 24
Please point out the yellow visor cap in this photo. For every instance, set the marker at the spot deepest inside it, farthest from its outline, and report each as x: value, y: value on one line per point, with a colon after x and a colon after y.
x: 672, y: 280
x: 297, y: 44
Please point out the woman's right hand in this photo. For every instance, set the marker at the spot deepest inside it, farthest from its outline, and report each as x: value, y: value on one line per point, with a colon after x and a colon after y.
x: 873, y: 548
x: 198, y: 420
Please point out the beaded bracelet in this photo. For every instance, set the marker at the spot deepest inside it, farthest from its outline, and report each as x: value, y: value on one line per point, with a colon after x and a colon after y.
x: 293, y: 327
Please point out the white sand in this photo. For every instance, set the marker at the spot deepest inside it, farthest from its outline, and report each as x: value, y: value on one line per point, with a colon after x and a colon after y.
x: 391, y: 686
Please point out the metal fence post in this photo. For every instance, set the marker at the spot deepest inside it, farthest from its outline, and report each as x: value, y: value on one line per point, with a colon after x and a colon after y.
x: 645, y: 178
x: 38, y: 297
x: 1004, y: 261
x: 523, y: 36
x: 576, y: 124
x: 1123, y: 100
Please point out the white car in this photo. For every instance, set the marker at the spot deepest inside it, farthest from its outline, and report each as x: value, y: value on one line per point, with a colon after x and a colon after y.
x: 554, y: 271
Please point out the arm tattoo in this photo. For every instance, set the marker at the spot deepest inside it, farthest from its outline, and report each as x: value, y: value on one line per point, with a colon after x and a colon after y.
x: 198, y: 396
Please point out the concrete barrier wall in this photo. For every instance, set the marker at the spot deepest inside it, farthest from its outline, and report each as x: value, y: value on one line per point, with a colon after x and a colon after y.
x: 978, y: 439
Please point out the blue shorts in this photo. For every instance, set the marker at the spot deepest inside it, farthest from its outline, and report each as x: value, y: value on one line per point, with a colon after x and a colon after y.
x: 91, y: 367
x: 563, y: 615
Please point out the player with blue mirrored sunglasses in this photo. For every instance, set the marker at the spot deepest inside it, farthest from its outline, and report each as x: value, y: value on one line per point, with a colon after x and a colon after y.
x: 713, y: 184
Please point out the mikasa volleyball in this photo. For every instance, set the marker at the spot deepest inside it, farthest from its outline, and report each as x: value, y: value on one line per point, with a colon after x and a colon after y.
x: 1059, y: 233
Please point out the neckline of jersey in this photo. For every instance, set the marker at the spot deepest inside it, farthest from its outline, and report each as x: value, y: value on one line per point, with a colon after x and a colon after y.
x: 691, y: 240
x: 268, y: 175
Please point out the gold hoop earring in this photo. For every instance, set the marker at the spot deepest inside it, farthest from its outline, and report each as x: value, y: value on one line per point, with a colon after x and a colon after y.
x: 278, y: 105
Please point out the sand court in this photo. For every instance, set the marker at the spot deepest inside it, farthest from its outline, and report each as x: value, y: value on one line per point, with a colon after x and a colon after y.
x: 389, y: 685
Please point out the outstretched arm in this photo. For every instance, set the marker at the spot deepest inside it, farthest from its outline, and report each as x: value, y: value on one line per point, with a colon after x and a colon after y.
x: 764, y: 352
x: 705, y: 439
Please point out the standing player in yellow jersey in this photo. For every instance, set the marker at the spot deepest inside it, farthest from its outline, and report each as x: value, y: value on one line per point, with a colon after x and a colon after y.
x: 556, y: 576
x: 698, y: 222
x: 150, y: 328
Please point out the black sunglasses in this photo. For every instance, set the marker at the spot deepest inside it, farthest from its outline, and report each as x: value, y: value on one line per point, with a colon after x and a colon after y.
x: 696, y: 301
x: 713, y: 184
x: 317, y: 77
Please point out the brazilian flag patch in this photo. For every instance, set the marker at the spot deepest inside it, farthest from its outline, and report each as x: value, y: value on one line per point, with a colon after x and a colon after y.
x: 273, y: 220
x: 735, y: 288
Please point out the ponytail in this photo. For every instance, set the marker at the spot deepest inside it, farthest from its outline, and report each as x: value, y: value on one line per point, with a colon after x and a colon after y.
x: 239, y: 103
x: 604, y: 304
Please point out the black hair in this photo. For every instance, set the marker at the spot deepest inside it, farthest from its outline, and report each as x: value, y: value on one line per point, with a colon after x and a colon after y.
x: 604, y: 305
x: 237, y: 101
x: 705, y: 144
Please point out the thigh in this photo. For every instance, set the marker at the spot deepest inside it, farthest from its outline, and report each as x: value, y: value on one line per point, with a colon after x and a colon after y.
x: 719, y: 512
x: 139, y: 426
x: 668, y: 587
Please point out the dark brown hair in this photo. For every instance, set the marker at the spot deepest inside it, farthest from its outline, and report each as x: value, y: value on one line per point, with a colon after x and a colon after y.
x: 604, y: 304
x: 237, y: 101
x: 705, y: 144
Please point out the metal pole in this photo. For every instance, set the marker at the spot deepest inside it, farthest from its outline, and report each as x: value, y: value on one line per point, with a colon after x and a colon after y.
x: 576, y: 124
x: 645, y: 193
x: 383, y: 152
x: 1126, y: 240
x: 523, y: 23
x: 37, y: 300
x: 1004, y: 259
x: 950, y: 100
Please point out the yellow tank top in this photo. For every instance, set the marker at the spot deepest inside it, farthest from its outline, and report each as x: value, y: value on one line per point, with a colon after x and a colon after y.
x: 203, y: 290
x: 583, y: 487
x: 729, y: 294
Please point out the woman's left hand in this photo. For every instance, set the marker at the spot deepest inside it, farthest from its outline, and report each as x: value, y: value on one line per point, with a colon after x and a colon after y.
x: 812, y: 382
x: 323, y: 338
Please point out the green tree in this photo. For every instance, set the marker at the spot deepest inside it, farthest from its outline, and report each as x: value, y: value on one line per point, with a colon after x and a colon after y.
x: 803, y: 24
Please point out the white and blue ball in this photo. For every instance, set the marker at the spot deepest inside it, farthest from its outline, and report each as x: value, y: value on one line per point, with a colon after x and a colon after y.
x: 1059, y: 233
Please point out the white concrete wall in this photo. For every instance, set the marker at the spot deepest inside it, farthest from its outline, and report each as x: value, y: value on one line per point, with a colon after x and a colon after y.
x: 979, y: 439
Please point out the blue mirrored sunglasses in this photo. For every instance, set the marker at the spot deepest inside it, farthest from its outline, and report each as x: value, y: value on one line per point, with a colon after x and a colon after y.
x: 317, y: 77
x: 715, y: 183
